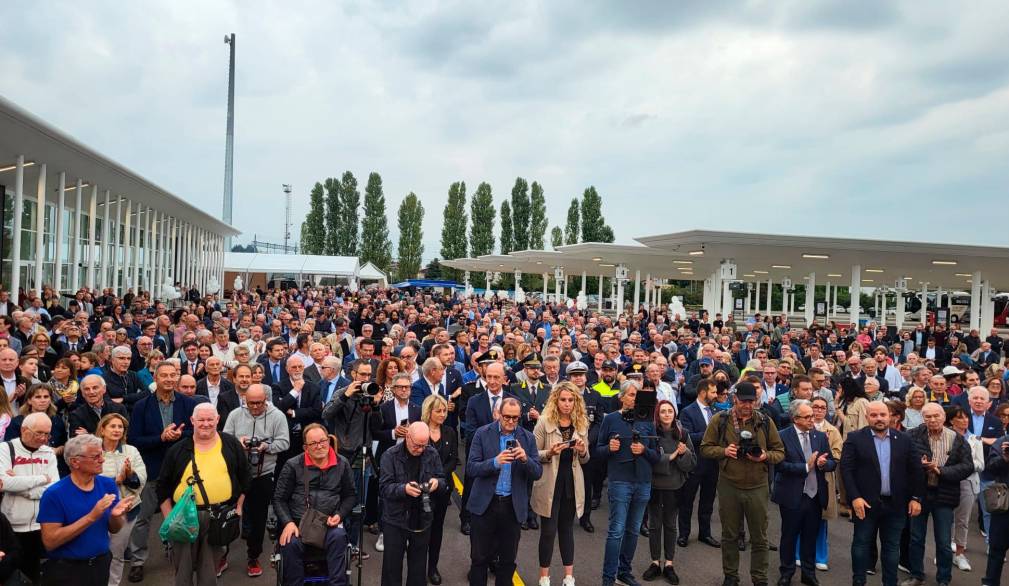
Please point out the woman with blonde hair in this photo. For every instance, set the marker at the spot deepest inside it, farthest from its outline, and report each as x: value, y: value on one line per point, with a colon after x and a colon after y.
x: 558, y: 497
x: 445, y: 441
x: 914, y: 400
x: 124, y: 464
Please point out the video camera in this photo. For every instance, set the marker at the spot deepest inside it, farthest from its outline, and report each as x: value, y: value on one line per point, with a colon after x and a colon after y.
x: 748, y: 445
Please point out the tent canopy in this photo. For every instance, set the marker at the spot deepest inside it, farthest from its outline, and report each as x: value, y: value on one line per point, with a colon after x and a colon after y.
x: 306, y: 264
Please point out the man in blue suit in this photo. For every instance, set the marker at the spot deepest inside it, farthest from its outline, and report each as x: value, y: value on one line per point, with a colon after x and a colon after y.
x: 503, y: 461
x: 694, y: 418
x: 800, y: 489
x: 274, y: 362
x: 984, y: 425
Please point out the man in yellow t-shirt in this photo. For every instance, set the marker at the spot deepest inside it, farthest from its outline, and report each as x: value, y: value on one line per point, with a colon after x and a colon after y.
x: 223, y: 467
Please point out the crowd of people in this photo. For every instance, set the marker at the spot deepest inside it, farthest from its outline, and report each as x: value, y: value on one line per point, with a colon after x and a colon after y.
x: 300, y: 420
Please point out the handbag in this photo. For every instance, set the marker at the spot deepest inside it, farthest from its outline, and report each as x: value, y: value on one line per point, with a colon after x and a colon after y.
x: 224, y: 524
x: 996, y: 497
x: 313, y: 526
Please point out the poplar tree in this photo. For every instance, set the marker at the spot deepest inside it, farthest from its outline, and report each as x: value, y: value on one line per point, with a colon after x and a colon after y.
x: 350, y: 201
x: 334, y: 218
x: 572, y: 229
x: 507, y: 242
x: 375, y: 245
x: 411, y: 236
x: 453, y: 231
x: 520, y: 215
x: 313, y: 229
x: 537, y: 217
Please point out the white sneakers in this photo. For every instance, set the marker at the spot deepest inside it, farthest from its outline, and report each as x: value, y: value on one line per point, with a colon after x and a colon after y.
x: 380, y: 544
x: 961, y: 562
x: 568, y: 581
x: 822, y: 567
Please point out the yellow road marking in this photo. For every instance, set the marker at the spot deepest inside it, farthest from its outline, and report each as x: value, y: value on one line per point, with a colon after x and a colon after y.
x: 516, y: 579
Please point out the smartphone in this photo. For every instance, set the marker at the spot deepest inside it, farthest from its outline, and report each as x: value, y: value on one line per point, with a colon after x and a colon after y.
x: 571, y: 442
x: 404, y: 422
x: 510, y: 444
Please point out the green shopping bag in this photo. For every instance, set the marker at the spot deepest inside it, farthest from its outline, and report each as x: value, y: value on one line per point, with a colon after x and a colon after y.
x: 182, y: 525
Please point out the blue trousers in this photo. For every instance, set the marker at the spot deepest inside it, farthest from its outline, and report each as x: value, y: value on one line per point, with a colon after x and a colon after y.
x: 888, y: 519
x: 628, y: 501
x: 942, y: 529
x: 293, y: 555
x: 822, y: 548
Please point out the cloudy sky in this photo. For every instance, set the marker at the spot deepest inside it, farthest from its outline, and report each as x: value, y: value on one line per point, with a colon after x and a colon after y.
x: 844, y: 118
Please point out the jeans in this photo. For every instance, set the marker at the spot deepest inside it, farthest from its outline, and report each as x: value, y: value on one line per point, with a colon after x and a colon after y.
x: 889, y: 521
x: 942, y: 529
x: 822, y: 547
x: 999, y: 543
x: 985, y: 515
x: 141, y: 529
x: 293, y: 555
x: 628, y: 501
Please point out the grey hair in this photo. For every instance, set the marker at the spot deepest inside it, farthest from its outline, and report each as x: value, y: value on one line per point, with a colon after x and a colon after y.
x: 35, y: 417
x: 429, y: 365
x: 628, y: 385
x: 979, y: 390
x: 400, y: 376
x: 793, y: 406
x: 917, y: 369
x: 95, y: 377
x: 121, y: 351
x: 77, y: 445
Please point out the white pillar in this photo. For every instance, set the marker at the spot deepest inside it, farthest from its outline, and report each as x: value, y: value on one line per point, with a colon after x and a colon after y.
x: 19, y: 202
x: 706, y: 296
x: 923, y: 310
x: 637, y: 291
x: 126, y: 281
x: 58, y: 249
x: 40, y: 219
x: 899, y: 322
x: 75, y: 239
x: 173, y: 251
x: 987, y: 310
x: 620, y: 291
x: 855, y: 293
x: 810, y: 299
x: 150, y: 252
x: 648, y: 291
x: 135, y: 251
x: 116, y: 234
x: 557, y: 285
x: 92, y: 221
x: 756, y: 297
x: 600, y: 293
x: 770, y: 295
x: 883, y: 303
x: 829, y: 302
x: 975, y: 303
x: 746, y: 302
x: 105, y: 260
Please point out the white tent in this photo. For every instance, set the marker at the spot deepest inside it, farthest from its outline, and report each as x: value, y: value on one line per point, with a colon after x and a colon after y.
x: 370, y: 272
x: 295, y: 266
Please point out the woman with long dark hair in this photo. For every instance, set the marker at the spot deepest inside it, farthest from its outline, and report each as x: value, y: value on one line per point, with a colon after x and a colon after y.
x: 677, y: 459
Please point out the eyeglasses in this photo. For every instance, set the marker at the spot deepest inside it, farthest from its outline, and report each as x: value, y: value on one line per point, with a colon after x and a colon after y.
x: 41, y: 433
x: 95, y: 458
x: 255, y: 403
x: 318, y: 443
x: 510, y: 417
x: 401, y: 387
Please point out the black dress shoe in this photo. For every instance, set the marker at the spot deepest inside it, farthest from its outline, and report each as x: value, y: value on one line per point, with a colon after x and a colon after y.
x: 525, y: 526
x: 533, y: 523
x: 465, y: 529
x: 643, y: 531
x: 652, y: 572
x: 783, y: 581
x: 587, y: 526
x: 596, y: 503
x: 730, y: 581
x: 742, y: 545
x: 434, y: 577
x: 709, y: 540
x: 772, y: 547
x: 670, y: 575
x: 809, y: 580
x: 682, y: 542
x: 136, y: 574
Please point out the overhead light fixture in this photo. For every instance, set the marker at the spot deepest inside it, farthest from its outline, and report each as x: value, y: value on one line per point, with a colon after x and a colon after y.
x: 816, y: 256
x: 751, y: 276
x: 806, y: 278
x: 73, y: 187
x: 944, y: 262
x: 874, y: 270
x: 760, y: 272
x: 500, y: 266
x: 603, y: 264
x: 14, y: 166
x: 696, y: 253
x: 539, y: 262
x: 781, y: 266
x: 963, y: 274
x: 597, y: 258
x: 837, y: 275
x: 683, y: 262
x: 868, y: 281
x: 907, y: 277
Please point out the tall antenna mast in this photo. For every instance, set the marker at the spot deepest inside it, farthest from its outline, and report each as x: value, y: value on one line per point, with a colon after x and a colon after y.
x: 229, y: 149
x: 287, y: 217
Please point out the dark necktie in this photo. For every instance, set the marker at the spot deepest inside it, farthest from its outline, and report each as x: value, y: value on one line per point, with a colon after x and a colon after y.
x: 276, y: 373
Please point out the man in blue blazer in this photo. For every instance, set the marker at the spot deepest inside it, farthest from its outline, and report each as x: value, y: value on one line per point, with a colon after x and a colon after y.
x: 152, y: 438
x: 694, y: 418
x: 800, y: 489
x: 984, y: 425
x: 881, y: 496
x: 503, y: 461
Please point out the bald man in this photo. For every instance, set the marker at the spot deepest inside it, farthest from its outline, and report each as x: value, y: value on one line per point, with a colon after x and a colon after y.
x: 409, y: 469
x: 299, y: 400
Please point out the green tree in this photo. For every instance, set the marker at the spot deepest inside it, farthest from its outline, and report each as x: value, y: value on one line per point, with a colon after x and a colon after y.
x: 481, y: 231
x: 350, y: 201
x: 557, y: 237
x: 411, y: 236
x: 594, y: 228
x: 453, y: 231
x: 313, y: 229
x: 435, y: 270
x: 537, y: 217
x: 375, y: 245
x: 520, y: 214
x: 507, y: 241
x: 334, y: 218
x: 572, y: 229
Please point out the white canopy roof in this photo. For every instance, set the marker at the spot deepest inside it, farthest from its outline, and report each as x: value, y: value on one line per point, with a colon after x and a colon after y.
x: 306, y: 264
x: 371, y: 273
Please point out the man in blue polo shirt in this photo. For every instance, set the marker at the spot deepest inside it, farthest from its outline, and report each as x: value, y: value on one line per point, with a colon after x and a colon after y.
x: 77, y: 514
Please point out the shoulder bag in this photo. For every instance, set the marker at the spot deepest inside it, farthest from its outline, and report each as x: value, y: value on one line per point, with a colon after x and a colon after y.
x: 224, y: 525
x: 313, y: 526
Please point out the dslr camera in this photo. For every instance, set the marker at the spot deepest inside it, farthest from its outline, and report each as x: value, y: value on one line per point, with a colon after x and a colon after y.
x: 252, y: 447
x: 425, y: 496
x: 748, y: 445
x: 365, y: 395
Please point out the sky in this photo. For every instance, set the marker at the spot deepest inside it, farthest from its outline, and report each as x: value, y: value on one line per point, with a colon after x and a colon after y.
x: 843, y: 118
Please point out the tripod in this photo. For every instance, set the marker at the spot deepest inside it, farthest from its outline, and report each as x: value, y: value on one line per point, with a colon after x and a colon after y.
x: 367, y: 461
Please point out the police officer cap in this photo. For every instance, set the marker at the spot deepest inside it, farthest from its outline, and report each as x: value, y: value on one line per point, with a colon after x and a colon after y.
x: 609, y: 364
x: 487, y: 357
x: 576, y: 367
x: 532, y: 361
